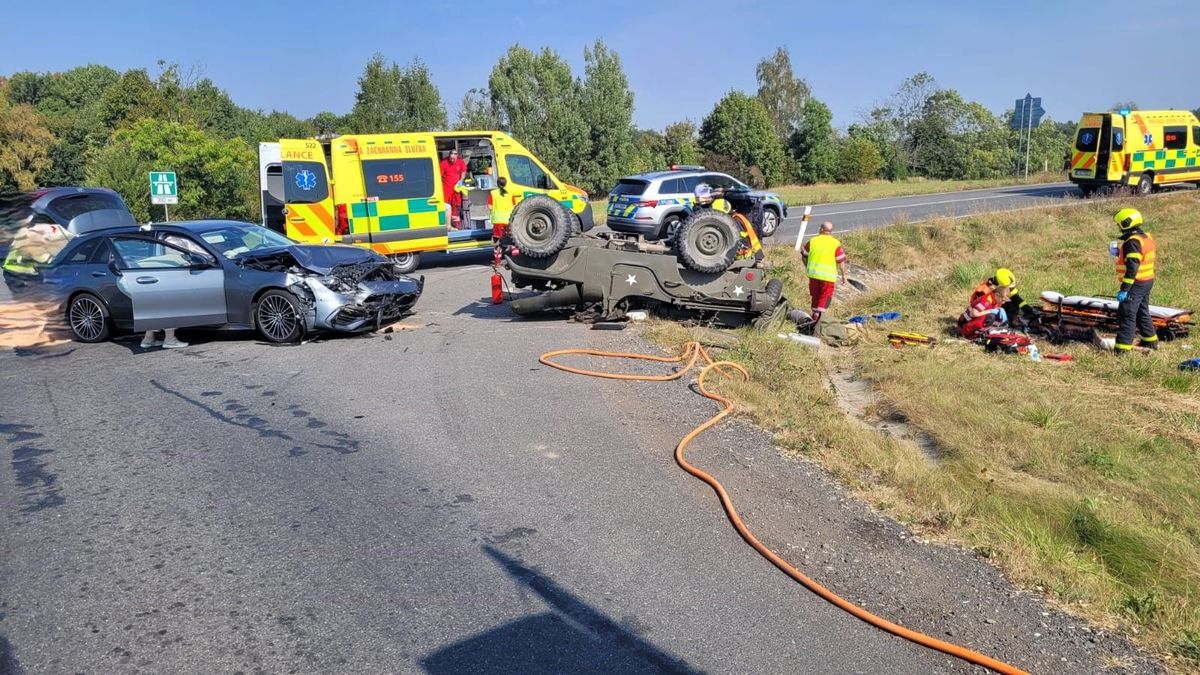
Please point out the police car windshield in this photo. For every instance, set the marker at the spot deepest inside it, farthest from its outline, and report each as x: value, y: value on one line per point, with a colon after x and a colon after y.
x: 234, y: 241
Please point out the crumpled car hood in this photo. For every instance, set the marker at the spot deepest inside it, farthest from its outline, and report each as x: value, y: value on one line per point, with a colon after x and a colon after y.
x: 318, y: 259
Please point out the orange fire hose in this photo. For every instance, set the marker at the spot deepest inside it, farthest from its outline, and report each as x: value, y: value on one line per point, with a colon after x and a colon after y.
x: 692, y: 353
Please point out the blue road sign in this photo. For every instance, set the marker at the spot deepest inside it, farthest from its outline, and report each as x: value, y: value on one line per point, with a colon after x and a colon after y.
x: 1028, y: 112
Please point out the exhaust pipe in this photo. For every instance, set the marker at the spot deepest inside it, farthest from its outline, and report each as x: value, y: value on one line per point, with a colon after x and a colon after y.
x: 567, y: 296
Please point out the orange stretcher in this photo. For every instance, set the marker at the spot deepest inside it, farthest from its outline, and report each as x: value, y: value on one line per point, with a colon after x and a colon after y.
x: 1101, y: 313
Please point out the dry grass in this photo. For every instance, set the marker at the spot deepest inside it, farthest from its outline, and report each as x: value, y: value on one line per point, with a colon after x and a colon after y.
x: 1079, y: 478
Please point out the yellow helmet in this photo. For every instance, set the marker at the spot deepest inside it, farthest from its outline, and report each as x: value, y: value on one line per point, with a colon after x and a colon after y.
x: 1005, y: 277
x: 1127, y: 219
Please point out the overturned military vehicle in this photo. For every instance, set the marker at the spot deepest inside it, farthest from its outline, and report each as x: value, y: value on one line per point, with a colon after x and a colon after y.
x: 712, y: 271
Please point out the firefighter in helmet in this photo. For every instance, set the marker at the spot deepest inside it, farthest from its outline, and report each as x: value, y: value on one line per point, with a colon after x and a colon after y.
x: 1136, y: 256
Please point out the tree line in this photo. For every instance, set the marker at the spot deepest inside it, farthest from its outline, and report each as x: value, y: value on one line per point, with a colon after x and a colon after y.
x: 93, y: 125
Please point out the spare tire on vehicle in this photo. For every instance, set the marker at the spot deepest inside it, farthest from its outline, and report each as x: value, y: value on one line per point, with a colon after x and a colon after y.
x: 708, y: 241
x: 540, y: 226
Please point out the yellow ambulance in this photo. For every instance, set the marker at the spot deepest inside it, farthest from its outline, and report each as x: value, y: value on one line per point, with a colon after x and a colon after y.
x: 1145, y: 149
x: 385, y: 191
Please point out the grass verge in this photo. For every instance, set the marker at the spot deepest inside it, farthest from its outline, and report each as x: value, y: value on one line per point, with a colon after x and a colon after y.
x: 1078, y: 479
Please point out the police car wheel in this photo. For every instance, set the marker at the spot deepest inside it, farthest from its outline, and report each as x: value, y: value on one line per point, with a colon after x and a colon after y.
x: 88, y: 318
x: 670, y: 228
x: 770, y: 222
x: 539, y: 226
x: 707, y: 242
x: 407, y: 263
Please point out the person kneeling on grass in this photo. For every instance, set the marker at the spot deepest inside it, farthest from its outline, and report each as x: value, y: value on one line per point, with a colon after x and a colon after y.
x: 985, y: 309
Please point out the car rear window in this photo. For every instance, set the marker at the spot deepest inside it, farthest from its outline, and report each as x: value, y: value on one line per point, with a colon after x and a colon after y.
x: 70, y: 206
x: 633, y: 188
x: 1086, y: 140
x: 672, y: 186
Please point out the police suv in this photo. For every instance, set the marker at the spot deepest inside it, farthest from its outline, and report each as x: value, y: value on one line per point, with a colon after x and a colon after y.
x: 654, y: 204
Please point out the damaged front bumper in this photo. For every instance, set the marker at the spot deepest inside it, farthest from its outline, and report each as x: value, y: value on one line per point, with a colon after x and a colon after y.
x: 371, y: 305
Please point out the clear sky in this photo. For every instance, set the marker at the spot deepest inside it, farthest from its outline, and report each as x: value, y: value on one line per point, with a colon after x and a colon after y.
x: 304, y: 56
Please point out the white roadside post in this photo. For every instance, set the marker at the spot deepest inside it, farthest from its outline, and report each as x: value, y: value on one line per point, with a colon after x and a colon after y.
x: 803, y: 227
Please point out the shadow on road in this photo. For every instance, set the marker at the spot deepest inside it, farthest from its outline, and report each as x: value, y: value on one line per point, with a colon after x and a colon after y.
x: 573, y: 637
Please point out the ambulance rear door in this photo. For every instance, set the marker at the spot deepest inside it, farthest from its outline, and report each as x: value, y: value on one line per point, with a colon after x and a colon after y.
x: 1087, y: 147
x: 404, y: 203
x: 307, y: 197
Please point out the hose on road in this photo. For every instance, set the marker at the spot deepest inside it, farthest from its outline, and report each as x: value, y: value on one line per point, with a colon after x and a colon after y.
x: 692, y: 354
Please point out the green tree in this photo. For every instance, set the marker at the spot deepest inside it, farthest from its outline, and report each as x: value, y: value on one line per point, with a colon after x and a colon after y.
x: 392, y: 99
x: 679, y: 144
x: 475, y: 112
x: 859, y: 160
x: 814, y: 144
x: 738, y: 130
x: 326, y: 122
x: 132, y: 97
x: 876, y: 128
x: 607, y: 106
x: 217, y: 177
x: 535, y: 97
x: 24, y: 144
x: 781, y: 93
x: 1124, y: 105
x: 68, y: 102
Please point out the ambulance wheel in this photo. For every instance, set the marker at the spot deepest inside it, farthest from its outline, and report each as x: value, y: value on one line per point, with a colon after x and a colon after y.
x: 1087, y: 190
x: 707, y: 242
x: 407, y: 263
x: 540, y: 226
x: 1145, y: 184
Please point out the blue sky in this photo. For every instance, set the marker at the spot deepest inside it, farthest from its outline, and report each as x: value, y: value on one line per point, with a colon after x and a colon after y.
x: 681, y: 57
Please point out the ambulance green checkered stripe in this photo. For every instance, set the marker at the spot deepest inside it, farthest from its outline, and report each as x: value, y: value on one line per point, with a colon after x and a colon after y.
x: 393, y: 222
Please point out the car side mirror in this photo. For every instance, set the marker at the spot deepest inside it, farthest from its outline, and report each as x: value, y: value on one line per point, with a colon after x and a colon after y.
x: 544, y: 182
x: 197, y: 261
x: 112, y: 266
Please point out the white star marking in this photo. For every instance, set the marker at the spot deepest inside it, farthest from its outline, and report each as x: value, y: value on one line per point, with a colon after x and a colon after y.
x: 631, y: 280
x: 737, y: 290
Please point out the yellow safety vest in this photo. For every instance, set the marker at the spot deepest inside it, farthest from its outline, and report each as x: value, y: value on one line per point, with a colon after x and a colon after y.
x: 822, y: 257
x: 1145, y: 270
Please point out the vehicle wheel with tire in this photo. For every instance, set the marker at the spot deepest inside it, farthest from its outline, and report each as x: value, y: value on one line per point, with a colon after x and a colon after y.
x: 1145, y: 184
x: 407, y: 263
x: 670, y: 228
x: 770, y: 222
x: 1087, y: 190
x: 88, y: 318
x: 707, y: 241
x: 278, y: 318
x: 540, y: 226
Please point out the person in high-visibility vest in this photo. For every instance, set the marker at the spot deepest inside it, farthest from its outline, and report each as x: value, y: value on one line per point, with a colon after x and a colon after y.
x: 1135, y: 272
x: 824, y: 257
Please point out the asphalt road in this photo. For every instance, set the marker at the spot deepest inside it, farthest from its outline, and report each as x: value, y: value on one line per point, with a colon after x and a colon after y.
x: 435, y: 501
x: 850, y: 216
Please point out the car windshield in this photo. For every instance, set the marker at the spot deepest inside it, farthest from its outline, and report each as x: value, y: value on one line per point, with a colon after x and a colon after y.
x: 234, y: 241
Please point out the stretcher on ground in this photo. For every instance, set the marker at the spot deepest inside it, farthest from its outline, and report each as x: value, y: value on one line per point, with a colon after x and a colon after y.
x: 1081, y: 311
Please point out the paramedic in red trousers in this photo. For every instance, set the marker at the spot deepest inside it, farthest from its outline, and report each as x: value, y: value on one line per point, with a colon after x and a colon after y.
x: 986, y: 306
x: 453, y: 169
x: 1135, y: 272
x: 824, y: 257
